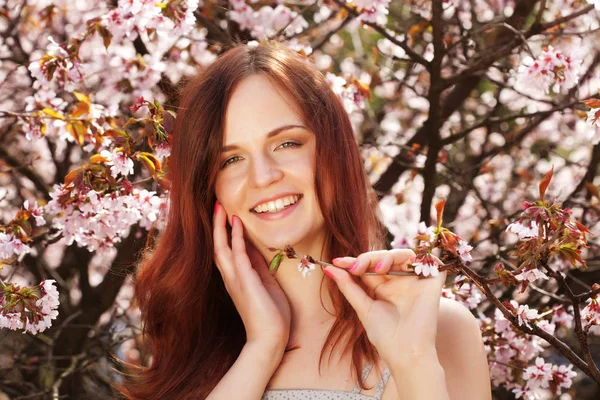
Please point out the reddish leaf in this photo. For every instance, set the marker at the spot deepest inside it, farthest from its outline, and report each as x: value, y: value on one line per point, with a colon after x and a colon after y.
x: 440, y: 211
x: 545, y: 182
x: 592, y: 103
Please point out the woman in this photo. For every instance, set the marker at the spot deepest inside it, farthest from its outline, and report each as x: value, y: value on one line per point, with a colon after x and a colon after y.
x: 261, y: 124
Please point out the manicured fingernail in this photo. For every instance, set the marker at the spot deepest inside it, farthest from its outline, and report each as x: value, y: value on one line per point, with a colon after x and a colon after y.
x: 216, y: 206
x: 378, y: 266
x: 232, y: 220
x: 337, y: 259
x: 328, y: 273
x: 354, y: 267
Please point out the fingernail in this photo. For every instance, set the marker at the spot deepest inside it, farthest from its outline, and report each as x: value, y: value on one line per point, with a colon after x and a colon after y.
x: 337, y: 259
x: 354, y: 267
x: 378, y: 266
x: 232, y: 220
x: 328, y: 273
x: 216, y: 206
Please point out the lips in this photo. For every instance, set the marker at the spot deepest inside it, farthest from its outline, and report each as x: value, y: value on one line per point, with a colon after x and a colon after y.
x: 270, y: 216
x: 273, y: 198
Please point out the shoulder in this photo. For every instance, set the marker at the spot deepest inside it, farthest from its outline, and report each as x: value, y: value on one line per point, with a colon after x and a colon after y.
x: 461, y: 352
x: 455, y: 318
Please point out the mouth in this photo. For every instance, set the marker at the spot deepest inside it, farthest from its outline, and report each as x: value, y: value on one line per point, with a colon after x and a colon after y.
x: 278, y: 208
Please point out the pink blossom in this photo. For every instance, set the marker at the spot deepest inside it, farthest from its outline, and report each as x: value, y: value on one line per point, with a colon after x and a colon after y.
x: 36, y: 211
x: 562, y: 317
x: 551, y: 69
x: 11, y: 246
x: 524, y: 231
x: 591, y: 312
x: 561, y: 375
x: 351, y: 98
x: 305, y: 267
x: 427, y: 266
x: 464, y: 249
x: 162, y: 151
x: 539, y: 375
x: 374, y: 11
x: 531, y: 275
x: 524, y: 314
x: 119, y: 162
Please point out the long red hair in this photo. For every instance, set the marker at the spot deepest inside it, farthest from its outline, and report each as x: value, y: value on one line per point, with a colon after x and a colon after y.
x: 195, y: 332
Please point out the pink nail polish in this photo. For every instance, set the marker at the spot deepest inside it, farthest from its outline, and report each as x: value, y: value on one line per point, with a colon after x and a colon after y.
x: 378, y: 266
x: 216, y: 206
x: 354, y: 267
x: 328, y: 273
x: 337, y: 259
x: 232, y: 220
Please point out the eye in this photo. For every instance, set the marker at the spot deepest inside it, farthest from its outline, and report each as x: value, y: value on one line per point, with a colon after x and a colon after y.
x: 230, y: 160
x: 291, y: 144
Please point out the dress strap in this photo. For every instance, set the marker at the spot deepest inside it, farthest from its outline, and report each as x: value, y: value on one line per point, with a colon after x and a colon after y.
x: 385, y: 375
x: 365, y: 373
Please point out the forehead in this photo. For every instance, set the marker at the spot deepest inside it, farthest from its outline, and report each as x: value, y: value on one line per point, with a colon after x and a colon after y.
x: 256, y: 107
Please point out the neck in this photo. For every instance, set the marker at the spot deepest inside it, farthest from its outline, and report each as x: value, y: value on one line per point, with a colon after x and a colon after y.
x: 310, y: 302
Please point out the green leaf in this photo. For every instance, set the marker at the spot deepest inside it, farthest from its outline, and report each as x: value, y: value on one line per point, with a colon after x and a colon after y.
x: 275, y: 262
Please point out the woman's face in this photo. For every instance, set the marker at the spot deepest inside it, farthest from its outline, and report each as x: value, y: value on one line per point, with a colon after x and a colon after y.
x: 267, y: 167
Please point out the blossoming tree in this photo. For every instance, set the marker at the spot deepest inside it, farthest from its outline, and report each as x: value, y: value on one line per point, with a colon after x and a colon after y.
x: 478, y: 122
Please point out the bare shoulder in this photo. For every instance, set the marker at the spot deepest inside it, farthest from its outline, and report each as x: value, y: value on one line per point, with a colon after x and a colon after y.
x: 461, y: 352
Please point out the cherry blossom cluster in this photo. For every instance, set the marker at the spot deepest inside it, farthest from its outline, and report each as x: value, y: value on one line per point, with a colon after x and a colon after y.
x: 31, y: 309
x: 550, y: 70
x: 266, y: 22
x: 374, y: 11
x: 509, y: 348
x: 464, y: 292
x: 432, y: 237
x: 174, y: 17
x: 591, y: 312
x: 593, y: 115
x: 15, y: 235
x: 98, y: 221
x: 545, y: 229
x: 59, y: 63
x: 353, y: 94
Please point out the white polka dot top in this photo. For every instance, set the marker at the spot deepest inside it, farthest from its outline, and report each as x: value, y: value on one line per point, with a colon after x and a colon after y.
x: 313, y: 394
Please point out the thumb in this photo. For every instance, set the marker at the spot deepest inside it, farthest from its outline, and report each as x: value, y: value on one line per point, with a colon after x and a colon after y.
x: 356, y: 296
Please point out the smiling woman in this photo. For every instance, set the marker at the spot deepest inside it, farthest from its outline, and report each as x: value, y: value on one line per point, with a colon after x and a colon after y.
x: 263, y: 155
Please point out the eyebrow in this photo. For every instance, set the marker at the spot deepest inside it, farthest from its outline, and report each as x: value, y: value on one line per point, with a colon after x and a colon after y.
x: 271, y: 134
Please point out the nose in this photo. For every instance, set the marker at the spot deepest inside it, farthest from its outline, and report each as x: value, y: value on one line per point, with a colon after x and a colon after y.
x: 265, y: 171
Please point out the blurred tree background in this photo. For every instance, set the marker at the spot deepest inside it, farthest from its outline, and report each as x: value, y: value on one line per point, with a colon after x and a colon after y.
x: 469, y: 101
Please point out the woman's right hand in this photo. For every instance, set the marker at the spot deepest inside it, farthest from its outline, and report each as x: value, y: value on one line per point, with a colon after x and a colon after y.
x: 258, y: 298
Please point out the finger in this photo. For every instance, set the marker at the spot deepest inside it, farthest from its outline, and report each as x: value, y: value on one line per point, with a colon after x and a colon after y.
x: 369, y: 260
x: 238, y: 244
x: 258, y: 262
x: 384, y: 265
x: 402, y: 259
x: 356, y: 296
x: 222, y: 252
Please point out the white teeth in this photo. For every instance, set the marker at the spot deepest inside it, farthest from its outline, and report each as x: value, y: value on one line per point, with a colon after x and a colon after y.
x: 277, y: 205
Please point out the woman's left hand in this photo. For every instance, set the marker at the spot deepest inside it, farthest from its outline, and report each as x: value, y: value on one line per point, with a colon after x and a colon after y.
x: 401, y: 317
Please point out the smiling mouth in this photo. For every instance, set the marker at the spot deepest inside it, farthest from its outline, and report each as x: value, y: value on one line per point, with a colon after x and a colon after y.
x: 273, y: 207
